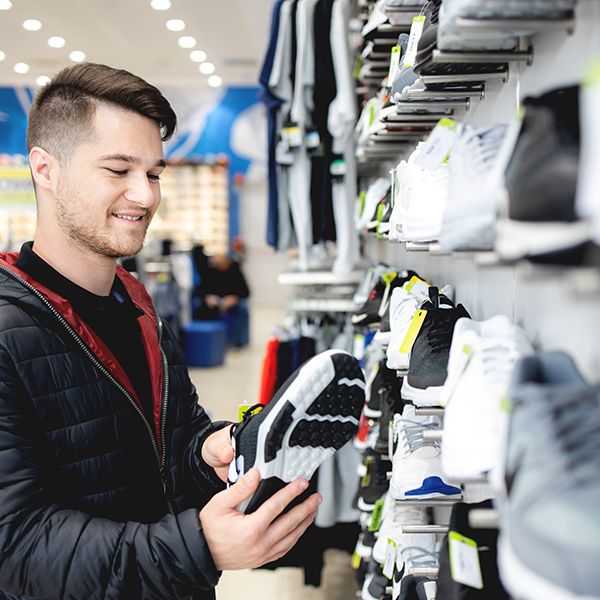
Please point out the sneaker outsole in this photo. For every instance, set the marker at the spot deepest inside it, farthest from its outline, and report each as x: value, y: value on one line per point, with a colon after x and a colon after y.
x: 315, y: 412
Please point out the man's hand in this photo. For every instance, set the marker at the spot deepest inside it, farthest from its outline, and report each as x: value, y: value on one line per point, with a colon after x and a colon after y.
x: 239, y: 541
x: 217, y: 451
x: 211, y: 300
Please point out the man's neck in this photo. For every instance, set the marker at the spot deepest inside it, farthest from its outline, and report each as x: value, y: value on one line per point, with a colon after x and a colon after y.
x: 90, y: 271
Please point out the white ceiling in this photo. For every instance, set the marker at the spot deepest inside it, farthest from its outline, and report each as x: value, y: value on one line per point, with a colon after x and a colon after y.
x: 130, y: 34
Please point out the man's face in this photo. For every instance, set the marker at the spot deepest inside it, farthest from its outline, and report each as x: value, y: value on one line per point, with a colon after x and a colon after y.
x: 108, y: 194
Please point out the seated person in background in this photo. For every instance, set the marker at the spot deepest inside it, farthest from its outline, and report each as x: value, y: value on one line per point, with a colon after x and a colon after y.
x: 222, y: 287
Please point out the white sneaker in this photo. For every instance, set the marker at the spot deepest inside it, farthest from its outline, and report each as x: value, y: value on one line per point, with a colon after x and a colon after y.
x: 482, y: 358
x: 423, y: 196
x: 474, y: 189
x: 374, y: 272
x: 395, y: 222
x: 394, y: 516
x: 416, y: 468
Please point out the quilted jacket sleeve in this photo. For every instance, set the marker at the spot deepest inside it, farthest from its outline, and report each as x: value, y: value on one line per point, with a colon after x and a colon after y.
x: 48, y: 552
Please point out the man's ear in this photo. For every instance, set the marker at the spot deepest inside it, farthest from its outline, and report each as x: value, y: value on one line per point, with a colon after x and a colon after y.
x: 44, y: 168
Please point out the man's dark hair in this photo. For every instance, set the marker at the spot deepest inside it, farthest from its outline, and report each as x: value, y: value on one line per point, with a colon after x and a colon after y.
x: 63, y: 110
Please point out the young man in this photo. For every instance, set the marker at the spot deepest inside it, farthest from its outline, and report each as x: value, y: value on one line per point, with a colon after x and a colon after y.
x: 111, y: 474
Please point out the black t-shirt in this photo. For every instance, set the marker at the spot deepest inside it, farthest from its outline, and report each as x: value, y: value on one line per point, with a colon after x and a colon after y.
x: 113, y: 318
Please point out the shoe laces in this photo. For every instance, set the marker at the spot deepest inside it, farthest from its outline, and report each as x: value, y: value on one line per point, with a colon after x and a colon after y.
x: 415, y: 556
x: 498, y: 358
x: 577, y: 427
x: 248, y: 414
x: 412, y: 433
x: 482, y: 147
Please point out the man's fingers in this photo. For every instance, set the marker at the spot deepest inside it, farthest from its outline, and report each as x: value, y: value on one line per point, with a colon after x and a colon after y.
x: 276, y: 504
x: 242, y: 489
x: 286, y: 543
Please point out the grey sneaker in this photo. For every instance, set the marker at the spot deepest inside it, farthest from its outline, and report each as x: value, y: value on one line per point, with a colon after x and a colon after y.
x: 550, y: 515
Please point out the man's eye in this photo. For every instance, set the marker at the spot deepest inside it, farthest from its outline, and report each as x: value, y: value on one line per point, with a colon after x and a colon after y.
x: 116, y: 172
x: 153, y: 177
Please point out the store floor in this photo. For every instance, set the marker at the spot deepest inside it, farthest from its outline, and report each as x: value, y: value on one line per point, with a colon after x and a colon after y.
x: 221, y: 390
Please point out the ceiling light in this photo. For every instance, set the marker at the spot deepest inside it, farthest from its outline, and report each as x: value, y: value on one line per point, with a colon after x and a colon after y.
x: 5, y: 4
x: 160, y: 4
x: 32, y: 24
x: 215, y: 81
x: 198, y: 55
x: 2, y: 55
x: 21, y: 68
x: 207, y: 68
x: 56, y: 41
x: 77, y: 56
x: 175, y: 25
x: 187, y: 41
x: 42, y: 80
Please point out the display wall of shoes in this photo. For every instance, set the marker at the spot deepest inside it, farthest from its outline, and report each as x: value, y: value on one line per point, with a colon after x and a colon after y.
x: 508, y: 223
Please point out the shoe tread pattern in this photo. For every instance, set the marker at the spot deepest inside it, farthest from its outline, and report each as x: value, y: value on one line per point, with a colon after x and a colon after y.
x: 274, y: 440
x: 328, y: 402
x: 325, y: 434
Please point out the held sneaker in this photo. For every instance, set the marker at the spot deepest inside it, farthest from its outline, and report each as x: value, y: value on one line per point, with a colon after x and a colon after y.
x: 427, y: 371
x: 416, y: 468
x: 549, y: 519
x: 482, y: 358
x: 314, y: 413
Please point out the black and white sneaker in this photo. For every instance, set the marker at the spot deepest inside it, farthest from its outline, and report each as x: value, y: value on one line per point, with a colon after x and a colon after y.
x: 314, y: 413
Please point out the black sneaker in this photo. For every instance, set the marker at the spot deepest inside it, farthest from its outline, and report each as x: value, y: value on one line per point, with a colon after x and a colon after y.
x: 375, y: 307
x: 428, y: 366
x: 313, y: 414
x: 376, y: 482
x: 539, y: 220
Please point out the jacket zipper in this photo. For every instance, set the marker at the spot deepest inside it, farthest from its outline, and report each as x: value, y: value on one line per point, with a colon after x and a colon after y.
x: 160, y: 457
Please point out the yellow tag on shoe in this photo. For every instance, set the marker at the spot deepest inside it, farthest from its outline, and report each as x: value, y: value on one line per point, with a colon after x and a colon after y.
x: 366, y: 479
x: 244, y: 408
x: 464, y: 560
x: 355, y: 563
x: 419, y: 288
x: 413, y: 331
x: 416, y: 30
x: 377, y: 513
x: 390, y: 558
x: 394, y: 64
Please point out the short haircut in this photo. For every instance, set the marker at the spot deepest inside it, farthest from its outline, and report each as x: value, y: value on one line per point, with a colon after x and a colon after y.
x: 63, y: 110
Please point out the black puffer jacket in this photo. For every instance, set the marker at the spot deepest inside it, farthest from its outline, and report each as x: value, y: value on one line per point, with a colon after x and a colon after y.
x: 94, y: 503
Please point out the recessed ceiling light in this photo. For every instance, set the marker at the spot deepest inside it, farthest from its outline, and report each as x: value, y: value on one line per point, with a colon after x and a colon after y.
x: 42, y: 80
x: 215, y: 81
x: 2, y: 55
x: 56, y: 41
x: 5, y: 4
x: 160, y: 4
x: 207, y: 68
x: 175, y: 25
x: 198, y: 55
x: 21, y: 68
x: 32, y: 24
x: 187, y: 41
x: 77, y: 56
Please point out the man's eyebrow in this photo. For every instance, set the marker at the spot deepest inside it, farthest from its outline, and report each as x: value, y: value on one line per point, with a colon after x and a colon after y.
x: 131, y: 159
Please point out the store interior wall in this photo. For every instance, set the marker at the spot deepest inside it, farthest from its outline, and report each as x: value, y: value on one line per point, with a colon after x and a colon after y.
x: 556, y: 305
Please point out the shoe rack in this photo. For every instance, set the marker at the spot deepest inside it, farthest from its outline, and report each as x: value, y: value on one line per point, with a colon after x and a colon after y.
x: 556, y: 305
x: 195, y: 206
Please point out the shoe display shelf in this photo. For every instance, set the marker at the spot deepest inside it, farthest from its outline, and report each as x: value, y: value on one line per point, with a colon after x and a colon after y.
x: 195, y: 206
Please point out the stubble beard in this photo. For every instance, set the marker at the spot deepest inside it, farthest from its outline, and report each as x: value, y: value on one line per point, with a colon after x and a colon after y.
x: 83, y: 233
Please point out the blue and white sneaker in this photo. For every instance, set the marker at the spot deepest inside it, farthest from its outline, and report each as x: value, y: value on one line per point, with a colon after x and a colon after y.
x: 314, y: 413
x: 416, y: 464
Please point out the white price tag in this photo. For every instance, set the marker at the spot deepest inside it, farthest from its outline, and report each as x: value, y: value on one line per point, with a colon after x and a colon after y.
x: 464, y: 560
x: 390, y: 558
x: 358, y: 347
x: 438, y: 144
x: 417, y: 287
x: 416, y: 31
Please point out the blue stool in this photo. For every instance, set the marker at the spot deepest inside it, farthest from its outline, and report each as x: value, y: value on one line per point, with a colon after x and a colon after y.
x: 204, y: 343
